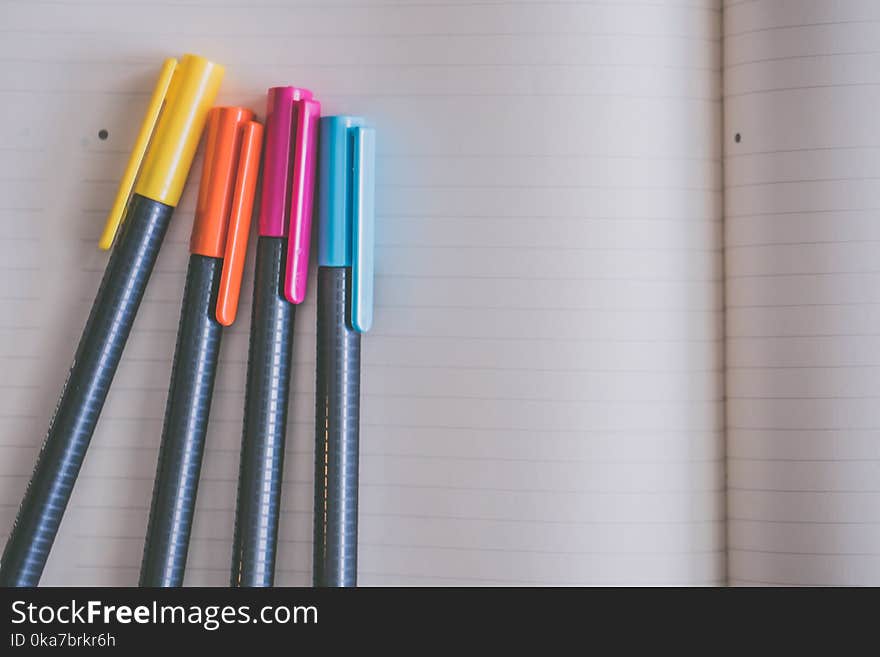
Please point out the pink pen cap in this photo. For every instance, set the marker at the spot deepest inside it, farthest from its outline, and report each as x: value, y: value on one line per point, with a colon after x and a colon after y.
x: 289, y: 178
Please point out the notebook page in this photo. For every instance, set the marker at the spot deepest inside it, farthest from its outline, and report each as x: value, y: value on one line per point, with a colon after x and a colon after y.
x: 802, y: 243
x: 542, y: 390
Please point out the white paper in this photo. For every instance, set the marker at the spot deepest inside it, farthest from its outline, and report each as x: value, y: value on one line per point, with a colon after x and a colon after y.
x: 542, y: 391
x: 802, y: 87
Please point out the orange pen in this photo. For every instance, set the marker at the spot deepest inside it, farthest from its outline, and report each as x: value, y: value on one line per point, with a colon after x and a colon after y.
x: 210, y: 300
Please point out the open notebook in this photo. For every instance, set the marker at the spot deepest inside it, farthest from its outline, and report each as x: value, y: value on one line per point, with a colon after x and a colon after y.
x: 628, y: 300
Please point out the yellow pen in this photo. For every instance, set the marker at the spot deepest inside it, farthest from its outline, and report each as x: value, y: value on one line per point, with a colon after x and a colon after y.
x: 150, y: 189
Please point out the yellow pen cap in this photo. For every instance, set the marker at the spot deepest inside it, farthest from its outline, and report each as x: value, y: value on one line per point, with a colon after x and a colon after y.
x: 191, y: 94
x: 168, y: 138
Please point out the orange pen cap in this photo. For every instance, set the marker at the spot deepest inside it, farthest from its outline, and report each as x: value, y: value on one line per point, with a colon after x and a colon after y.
x: 226, y: 199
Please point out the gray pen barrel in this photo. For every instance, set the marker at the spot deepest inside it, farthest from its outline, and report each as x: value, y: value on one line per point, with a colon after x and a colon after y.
x: 97, y: 357
x: 186, y: 423
x: 337, y: 419
x: 265, y: 421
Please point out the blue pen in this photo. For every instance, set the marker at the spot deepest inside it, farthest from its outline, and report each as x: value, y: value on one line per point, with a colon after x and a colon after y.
x: 346, y: 218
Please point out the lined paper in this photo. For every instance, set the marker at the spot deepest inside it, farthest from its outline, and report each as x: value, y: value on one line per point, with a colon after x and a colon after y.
x: 803, y: 291
x: 543, y: 394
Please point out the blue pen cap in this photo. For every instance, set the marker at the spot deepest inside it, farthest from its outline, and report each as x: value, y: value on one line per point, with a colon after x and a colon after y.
x: 346, y: 207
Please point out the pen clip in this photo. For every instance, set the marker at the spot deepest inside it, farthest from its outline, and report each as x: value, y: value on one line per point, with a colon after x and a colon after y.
x: 299, y: 233
x: 363, y: 207
x: 157, y: 100
x: 239, y: 222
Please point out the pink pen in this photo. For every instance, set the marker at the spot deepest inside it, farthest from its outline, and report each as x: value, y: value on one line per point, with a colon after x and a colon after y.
x: 280, y: 282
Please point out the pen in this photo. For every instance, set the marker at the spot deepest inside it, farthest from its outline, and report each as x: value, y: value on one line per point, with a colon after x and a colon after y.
x: 210, y: 301
x: 280, y: 282
x: 346, y: 218
x: 151, y: 186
